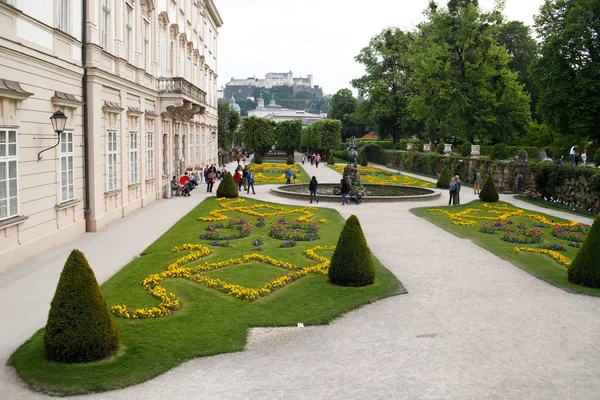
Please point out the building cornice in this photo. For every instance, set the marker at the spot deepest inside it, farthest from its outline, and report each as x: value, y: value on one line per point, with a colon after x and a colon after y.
x: 214, y: 13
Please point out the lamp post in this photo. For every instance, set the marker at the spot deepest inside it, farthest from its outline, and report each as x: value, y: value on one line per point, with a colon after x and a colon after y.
x: 59, y: 121
x: 212, y: 141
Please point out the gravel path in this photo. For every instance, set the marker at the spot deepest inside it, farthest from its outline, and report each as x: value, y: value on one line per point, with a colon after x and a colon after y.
x: 472, y: 326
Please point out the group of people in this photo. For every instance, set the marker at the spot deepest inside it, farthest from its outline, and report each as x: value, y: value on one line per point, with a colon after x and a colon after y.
x: 244, y: 177
x: 243, y: 157
x: 313, y: 158
x: 455, y: 185
x: 576, y: 157
x: 190, y: 180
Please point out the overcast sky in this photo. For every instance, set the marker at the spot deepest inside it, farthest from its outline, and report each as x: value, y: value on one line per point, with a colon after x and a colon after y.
x: 319, y: 37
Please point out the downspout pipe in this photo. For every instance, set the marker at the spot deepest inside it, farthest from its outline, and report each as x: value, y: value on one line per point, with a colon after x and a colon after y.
x: 86, y: 158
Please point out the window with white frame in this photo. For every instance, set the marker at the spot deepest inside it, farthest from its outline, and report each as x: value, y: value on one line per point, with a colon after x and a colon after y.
x: 163, y: 54
x: 195, y: 80
x: 107, y: 25
x: 129, y: 33
x: 67, y: 178
x: 198, y: 149
x: 62, y: 15
x: 181, y: 62
x: 150, y: 158
x: 111, y: 160
x: 9, y: 194
x: 133, y: 158
x: 146, y: 44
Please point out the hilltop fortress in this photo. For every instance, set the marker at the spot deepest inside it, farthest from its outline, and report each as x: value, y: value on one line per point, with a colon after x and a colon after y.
x: 245, y: 88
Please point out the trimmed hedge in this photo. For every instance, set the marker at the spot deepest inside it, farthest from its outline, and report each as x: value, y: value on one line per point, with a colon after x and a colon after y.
x: 444, y: 180
x: 290, y: 160
x: 465, y: 149
x: 80, y: 327
x: 352, y: 263
x: 489, y: 193
x: 227, y: 188
x: 499, y: 152
x: 364, y: 161
x: 585, y: 268
x: 257, y: 159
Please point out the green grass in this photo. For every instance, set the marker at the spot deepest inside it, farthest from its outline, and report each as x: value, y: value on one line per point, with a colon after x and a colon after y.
x: 268, y: 174
x: 553, y: 207
x: 209, y: 321
x: 378, y: 176
x: 254, y: 275
x: 538, y: 265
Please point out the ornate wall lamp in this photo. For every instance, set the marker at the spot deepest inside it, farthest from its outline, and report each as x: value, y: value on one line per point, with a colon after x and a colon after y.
x: 59, y: 121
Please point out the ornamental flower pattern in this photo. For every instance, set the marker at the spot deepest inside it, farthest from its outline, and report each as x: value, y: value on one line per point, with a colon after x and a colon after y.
x: 178, y: 268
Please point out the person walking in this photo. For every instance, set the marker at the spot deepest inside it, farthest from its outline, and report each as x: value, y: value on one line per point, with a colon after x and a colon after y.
x: 476, y: 182
x: 572, y: 153
x: 244, y: 177
x: 584, y: 158
x: 303, y: 158
x: 311, y: 158
x: 312, y: 188
x: 238, y: 159
x: 452, y: 191
x: 210, y: 181
x: 237, y: 177
x: 345, y: 190
x: 250, y: 179
x: 288, y: 176
x: 317, y: 159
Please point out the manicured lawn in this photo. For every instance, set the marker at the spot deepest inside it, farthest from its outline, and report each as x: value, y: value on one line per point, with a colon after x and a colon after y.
x: 554, y: 207
x: 210, y: 320
x: 265, y: 174
x: 380, y: 176
x: 517, y: 224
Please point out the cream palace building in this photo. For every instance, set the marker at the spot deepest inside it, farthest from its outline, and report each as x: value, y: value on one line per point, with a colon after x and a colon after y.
x: 137, y: 82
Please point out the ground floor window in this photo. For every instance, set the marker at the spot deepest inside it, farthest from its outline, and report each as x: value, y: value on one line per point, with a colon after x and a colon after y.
x: 150, y: 158
x: 111, y: 160
x: 133, y: 157
x: 9, y: 193
x: 67, y: 177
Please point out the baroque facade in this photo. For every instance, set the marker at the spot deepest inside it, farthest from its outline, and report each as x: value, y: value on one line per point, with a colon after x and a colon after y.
x: 137, y: 81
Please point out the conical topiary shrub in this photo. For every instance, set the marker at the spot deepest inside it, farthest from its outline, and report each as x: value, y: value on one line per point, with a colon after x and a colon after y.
x: 585, y: 268
x: 363, y: 160
x: 290, y: 159
x: 227, y: 188
x: 444, y: 180
x: 80, y: 327
x: 351, y: 263
x: 257, y: 159
x: 488, y: 191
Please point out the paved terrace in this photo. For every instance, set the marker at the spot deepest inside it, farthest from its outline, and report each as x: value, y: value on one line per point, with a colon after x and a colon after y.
x: 472, y: 326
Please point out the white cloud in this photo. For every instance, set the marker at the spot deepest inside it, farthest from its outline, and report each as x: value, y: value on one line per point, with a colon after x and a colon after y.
x: 319, y: 37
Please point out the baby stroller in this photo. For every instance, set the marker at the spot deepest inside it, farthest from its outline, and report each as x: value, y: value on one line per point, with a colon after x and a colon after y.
x: 187, y: 188
x: 355, y: 197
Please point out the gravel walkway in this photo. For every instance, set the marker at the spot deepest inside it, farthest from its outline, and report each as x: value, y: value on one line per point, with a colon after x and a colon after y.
x: 472, y: 326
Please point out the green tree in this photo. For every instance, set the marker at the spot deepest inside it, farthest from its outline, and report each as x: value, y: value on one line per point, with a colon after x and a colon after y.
x: 330, y: 131
x: 288, y: 135
x: 567, y: 71
x: 464, y: 86
x: 258, y: 134
x: 387, y: 82
x: 522, y: 51
x: 80, y: 327
x: 343, y: 107
x: 311, y: 138
x: 228, y: 122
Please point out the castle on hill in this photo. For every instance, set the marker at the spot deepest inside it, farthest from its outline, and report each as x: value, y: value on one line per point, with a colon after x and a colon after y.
x: 245, y: 88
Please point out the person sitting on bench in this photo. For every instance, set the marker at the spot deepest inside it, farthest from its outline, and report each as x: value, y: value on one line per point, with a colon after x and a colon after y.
x: 176, y: 186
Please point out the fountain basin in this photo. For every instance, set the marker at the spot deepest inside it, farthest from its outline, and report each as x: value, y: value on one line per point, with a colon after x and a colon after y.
x: 375, y: 193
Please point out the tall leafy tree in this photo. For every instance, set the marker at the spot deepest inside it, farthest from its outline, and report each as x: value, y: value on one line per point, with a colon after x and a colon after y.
x: 258, y: 134
x: 343, y: 106
x: 568, y: 71
x: 288, y: 135
x: 387, y: 82
x: 311, y: 138
x: 464, y: 86
x: 228, y: 122
x: 522, y: 51
x: 330, y: 131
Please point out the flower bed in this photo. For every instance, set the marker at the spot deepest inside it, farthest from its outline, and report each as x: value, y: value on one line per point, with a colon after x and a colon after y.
x: 378, y: 176
x: 275, y: 173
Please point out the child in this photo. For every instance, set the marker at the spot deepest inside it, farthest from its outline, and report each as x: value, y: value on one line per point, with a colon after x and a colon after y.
x: 584, y: 157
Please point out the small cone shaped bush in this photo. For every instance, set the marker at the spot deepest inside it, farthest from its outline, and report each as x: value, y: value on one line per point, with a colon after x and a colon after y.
x: 444, y: 180
x: 257, y: 159
x: 290, y: 159
x: 585, y: 268
x: 227, y: 188
x: 351, y: 263
x: 488, y: 191
x: 80, y: 327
